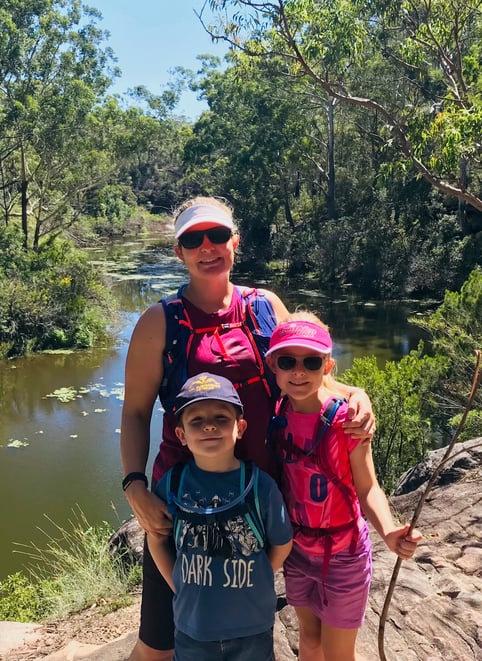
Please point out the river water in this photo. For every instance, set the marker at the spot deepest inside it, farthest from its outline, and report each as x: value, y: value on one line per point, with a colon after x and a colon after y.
x: 60, y: 412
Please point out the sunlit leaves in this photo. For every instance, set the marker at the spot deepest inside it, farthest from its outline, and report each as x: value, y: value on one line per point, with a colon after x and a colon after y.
x: 427, y: 56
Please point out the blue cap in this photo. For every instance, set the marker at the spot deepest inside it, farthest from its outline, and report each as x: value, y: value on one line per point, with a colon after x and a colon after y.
x: 206, y: 386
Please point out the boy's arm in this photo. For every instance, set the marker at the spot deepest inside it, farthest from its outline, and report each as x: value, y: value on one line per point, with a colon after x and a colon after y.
x: 278, y: 554
x: 164, y: 555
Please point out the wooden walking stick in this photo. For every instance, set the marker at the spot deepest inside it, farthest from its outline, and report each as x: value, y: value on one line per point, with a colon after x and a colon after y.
x: 430, y: 483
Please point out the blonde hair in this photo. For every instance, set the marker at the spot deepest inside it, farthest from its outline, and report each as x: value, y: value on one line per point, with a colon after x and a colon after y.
x: 305, y: 315
x: 199, y: 199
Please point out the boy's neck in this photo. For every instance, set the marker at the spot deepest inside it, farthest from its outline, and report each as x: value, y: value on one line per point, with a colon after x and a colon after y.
x: 217, y: 464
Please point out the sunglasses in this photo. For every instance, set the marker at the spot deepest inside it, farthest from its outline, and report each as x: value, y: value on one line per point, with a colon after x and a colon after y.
x: 216, y: 235
x: 310, y: 363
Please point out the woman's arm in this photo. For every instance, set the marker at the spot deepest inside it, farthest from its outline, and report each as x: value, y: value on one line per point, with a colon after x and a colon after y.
x: 360, y: 420
x: 375, y: 505
x: 143, y: 375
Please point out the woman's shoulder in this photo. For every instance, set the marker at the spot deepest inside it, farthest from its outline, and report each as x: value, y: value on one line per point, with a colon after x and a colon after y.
x: 277, y: 304
x: 152, y: 314
x: 150, y: 328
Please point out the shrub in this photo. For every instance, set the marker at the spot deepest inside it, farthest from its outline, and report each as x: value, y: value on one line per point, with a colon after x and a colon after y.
x: 455, y: 329
x: 20, y: 600
x: 401, y: 396
x: 50, y: 299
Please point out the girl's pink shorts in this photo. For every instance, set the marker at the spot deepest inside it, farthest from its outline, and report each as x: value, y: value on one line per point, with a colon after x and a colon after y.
x: 341, y: 598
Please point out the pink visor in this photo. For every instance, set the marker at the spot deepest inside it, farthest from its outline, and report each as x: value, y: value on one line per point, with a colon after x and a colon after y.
x: 303, y: 334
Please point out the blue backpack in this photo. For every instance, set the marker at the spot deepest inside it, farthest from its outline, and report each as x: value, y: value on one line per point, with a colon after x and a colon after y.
x: 258, y: 323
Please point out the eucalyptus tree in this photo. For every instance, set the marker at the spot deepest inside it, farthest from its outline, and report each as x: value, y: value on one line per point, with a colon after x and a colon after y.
x: 153, y: 142
x: 53, y: 73
x: 249, y: 146
x: 427, y: 100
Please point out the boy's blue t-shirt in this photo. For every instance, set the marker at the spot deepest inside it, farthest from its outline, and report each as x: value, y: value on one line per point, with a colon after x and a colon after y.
x: 219, y: 597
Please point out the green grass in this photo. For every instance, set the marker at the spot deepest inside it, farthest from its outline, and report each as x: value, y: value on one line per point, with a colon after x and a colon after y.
x: 74, y: 570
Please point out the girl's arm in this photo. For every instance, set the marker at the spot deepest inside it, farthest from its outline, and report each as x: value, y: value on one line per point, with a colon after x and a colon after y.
x: 375, y: 505
x: 278, y: 554
x: 163, y: 554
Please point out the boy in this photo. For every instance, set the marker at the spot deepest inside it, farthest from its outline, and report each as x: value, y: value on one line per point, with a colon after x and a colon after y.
x: 230, y: 528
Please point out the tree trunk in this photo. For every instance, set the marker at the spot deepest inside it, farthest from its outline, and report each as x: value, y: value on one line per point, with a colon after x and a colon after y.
x: 24, y: 199
x: 331, y: 199
x: 462, y: 206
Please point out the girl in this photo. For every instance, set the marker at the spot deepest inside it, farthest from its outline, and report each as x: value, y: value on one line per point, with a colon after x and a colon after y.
x: 328, y: 480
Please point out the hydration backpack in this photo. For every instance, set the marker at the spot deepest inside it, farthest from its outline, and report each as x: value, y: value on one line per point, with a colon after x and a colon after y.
x: 277, y: 441
x: 258, y: 322
x: 246, y: 504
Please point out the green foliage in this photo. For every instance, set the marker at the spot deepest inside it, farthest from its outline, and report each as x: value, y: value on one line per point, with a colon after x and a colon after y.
x: 418, y: 400
x: 401, y: 396
x: 51, y: 299
x: 472, y: 427
x: 455, y: 329
x: 76, y: 569
x: 416, y: 70
x: 21, y: 600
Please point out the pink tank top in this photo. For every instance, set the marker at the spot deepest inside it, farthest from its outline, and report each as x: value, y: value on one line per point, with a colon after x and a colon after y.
x: 229, y: 353
x: 312, y: 498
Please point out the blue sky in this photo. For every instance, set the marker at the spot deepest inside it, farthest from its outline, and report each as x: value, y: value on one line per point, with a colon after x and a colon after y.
x: 150, y: 37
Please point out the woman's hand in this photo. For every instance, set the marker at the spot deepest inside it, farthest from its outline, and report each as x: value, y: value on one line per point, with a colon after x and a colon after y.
x: 150, y: 511
x: 360, y: 420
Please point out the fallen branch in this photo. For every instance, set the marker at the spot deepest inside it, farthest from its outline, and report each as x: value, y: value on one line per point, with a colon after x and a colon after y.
x: 423, y: 498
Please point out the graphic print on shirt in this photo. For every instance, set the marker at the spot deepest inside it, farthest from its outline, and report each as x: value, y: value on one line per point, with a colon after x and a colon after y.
x: 305, y: 486
x: 226, y: 536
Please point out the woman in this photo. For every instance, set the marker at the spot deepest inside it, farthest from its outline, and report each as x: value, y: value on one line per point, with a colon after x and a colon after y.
x: 211, y: 325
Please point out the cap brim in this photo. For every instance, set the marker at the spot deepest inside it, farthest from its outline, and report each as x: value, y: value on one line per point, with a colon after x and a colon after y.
x: 206, y: 399
x: 301, y: 344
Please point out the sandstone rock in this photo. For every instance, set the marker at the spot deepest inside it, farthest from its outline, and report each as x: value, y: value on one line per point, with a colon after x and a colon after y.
x: 436, y: 609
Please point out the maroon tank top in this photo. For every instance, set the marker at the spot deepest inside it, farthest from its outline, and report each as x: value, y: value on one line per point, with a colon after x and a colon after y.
x: 227, y: 352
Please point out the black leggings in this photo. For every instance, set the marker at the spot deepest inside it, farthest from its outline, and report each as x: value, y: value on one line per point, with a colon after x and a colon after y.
x: 157, y: 624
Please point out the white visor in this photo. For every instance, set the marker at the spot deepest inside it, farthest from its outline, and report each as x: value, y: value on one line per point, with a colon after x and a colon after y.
x: 201, y: 213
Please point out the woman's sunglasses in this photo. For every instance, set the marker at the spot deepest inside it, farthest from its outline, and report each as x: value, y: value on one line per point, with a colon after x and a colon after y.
x: 310, y: 363
x: 216, y: 235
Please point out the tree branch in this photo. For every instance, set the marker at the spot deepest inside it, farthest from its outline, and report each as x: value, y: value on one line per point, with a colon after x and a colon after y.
x: 423, y: 498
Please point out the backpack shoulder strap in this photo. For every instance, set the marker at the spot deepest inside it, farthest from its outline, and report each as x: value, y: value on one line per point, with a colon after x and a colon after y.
x: 260, y: 315
x: 277, y: 423
x: 253, y: 515
x: 175, y: 350
x: 175, y: 477
x: 326, y: 418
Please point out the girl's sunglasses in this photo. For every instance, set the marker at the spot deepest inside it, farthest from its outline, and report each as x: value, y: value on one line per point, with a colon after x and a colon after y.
x: 216, y: 235
x: 310, y: 363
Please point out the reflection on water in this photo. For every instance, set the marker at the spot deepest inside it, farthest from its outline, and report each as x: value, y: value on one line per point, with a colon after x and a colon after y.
x: 60, y: 413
